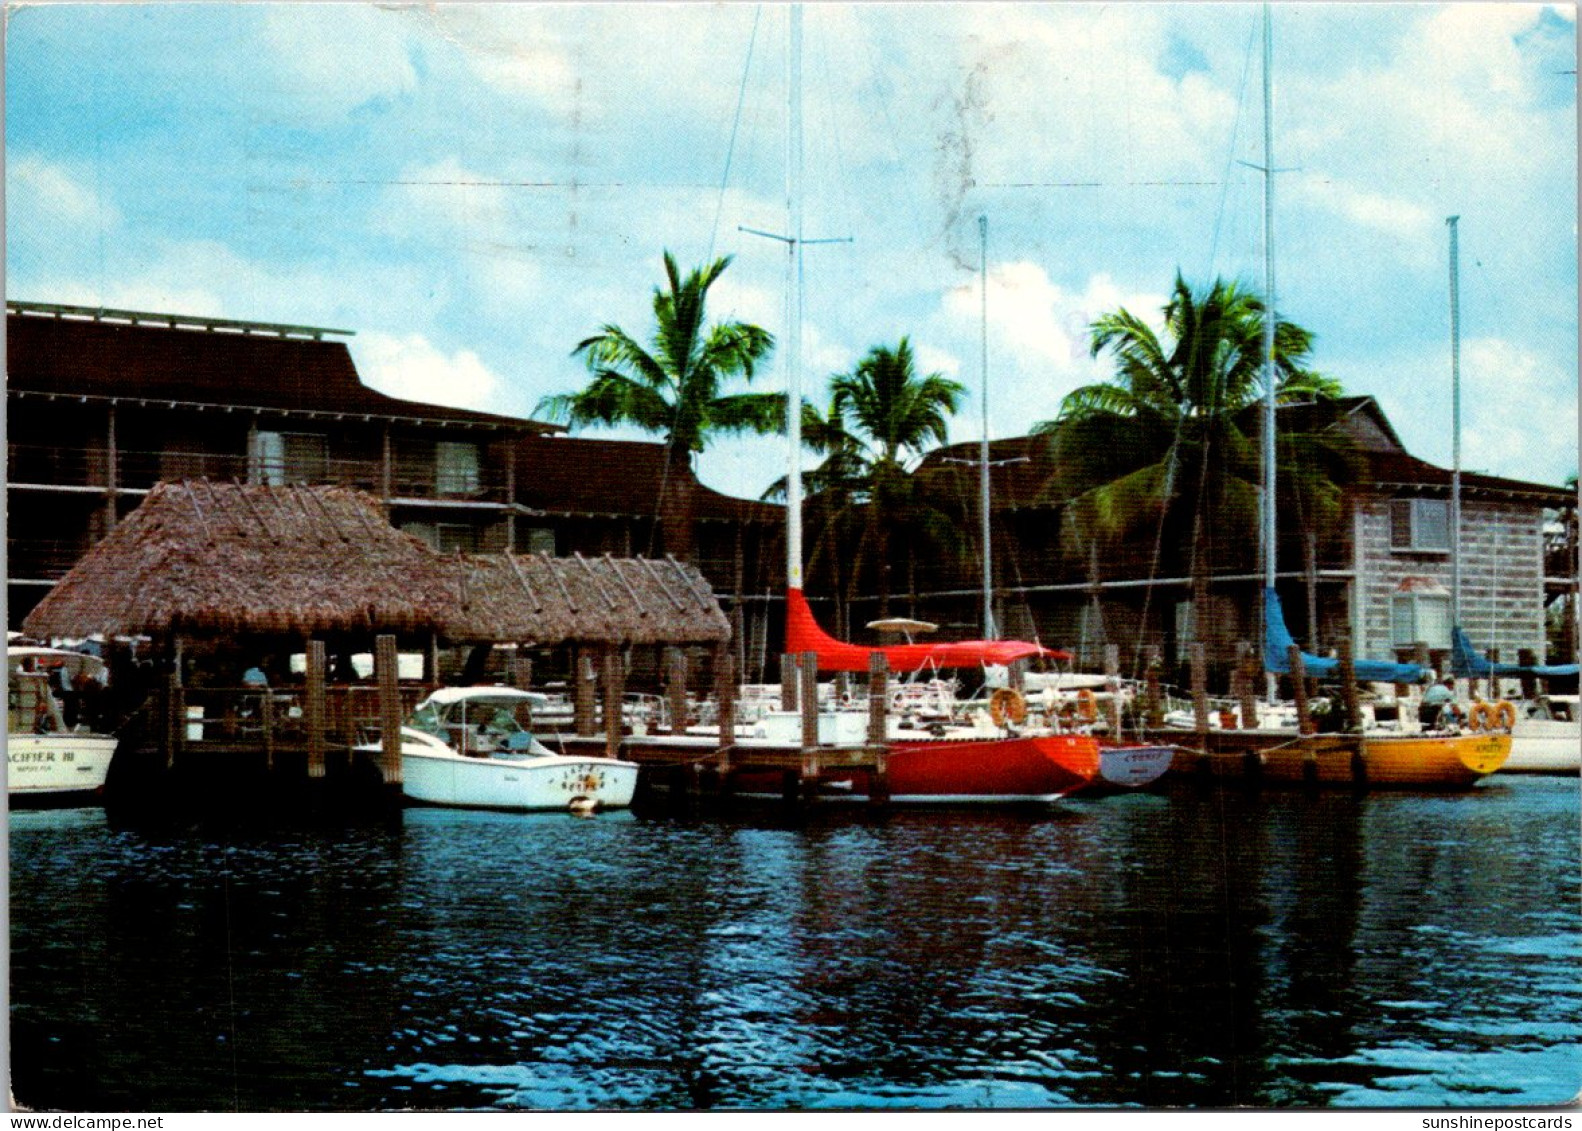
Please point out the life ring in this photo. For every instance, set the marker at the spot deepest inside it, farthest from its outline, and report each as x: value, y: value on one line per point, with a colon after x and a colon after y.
x: 1481, y: 717
x: 1087, y: 706
x: 1007, y: 704
x: 1504, y: 715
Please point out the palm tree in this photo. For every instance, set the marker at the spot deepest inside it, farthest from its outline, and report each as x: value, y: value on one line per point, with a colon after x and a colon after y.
x: 673, y: 387
x: 882, y: 418
x: 1170, y: 440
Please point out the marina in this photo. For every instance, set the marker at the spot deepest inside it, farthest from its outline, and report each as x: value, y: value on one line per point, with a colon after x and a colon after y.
x: 548, y: 576
x: 1201, y: 947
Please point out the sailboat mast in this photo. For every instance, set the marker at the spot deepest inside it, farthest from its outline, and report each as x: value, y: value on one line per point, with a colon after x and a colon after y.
x: 1269, y: 528
x: 793, y: 353
x: 983, y: 446
x: 1455, y: 423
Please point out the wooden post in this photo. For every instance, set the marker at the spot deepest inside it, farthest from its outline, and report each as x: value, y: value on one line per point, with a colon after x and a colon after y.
x: 1527, y: 658
x: 1351, y: 706
x: 522, y: 672
x: 1247, y: 667
x: 676, y: 688
x: 725, y: 696
x: 1112, y: 680
x: 1304, y: 722
x: 788, y: 682
x: 1016, y: 675
x: 313, y: 709
x: 1198, y: 659
x: 878, y: 728
x: 614, y: 681
x: 1153, y: 710
x: 1494, y: 683
x: 266, y: 719
x: 809, y: 697
x: 1421, y: 659
x: 585, y: 693
x: 386, y: 674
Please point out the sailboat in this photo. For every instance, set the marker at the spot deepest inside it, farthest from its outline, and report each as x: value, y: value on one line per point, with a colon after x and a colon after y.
x: 1362, y: 758
x: 999, y: 769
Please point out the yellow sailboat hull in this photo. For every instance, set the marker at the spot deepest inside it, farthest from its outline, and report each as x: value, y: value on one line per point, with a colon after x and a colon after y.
x: 1410, y: 761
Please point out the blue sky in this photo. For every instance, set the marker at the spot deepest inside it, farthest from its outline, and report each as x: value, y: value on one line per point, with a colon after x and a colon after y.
x: 474, y: 188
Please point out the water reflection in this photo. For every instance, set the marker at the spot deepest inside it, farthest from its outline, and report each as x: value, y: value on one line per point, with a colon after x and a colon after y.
x: 1205, y: 948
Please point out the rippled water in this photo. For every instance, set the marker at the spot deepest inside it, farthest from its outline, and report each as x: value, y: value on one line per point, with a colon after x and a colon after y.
x: 1204, y: 947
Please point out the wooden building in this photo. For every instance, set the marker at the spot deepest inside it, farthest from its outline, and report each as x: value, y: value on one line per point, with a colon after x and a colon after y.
x: 1382, y: 575
x: 103, y: 405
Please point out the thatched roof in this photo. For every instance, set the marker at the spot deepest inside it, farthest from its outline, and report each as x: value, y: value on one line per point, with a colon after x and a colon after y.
x: 534, y: 598
x: 200, y: 558
x: 205, y: 559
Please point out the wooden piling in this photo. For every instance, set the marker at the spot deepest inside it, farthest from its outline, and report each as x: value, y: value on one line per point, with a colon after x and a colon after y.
x: 1153, y: 710
x: 1351, y: 706
x: 314, y: 708
x: 1531, y: 687
x: 1304, y: 719
x: 878, y: 728
x: 522, y: 672
x: 613, y: 682
x: 1198, y: 660
x: 725, y: 696
x: 585, y: 694
x: 1248, y: 666
x: 386, y: 675
x: 808, y: 694
x: 1112, y: 681
x: 788, y: 682
x: 676, y: 688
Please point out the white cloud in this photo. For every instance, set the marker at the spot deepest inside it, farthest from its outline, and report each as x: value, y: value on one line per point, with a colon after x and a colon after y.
x: 341, y: 56
x: 411, y: 367
x: 50, y: 195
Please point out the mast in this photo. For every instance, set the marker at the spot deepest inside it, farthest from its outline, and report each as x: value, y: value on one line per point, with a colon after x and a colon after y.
x: 983, y: 447
x: 1455, y: 424
x: 1269, y: 552
x: 794, y: 301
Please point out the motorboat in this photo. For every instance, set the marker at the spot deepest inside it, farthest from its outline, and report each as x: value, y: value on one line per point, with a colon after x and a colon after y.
x: 1546, y: 737
x: 48, y: 759
x: 472, y: 748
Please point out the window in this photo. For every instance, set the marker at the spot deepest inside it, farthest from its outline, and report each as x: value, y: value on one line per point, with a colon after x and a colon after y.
x: 1420, y: 525
x: 541, y: 540
x: 282, y: 458
x: 456, y: 468
x: 451, y: 537
x: 1420, y: 616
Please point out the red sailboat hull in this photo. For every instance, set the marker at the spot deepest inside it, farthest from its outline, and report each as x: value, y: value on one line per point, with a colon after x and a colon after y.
x: 990, y: 771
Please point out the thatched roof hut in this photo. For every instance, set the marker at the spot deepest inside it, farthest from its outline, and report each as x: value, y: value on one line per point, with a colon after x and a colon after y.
x: 205, y: 559
x: 201, y: 559
x: 537, y: 599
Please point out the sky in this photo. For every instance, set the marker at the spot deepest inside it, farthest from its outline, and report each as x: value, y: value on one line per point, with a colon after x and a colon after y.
x: 475, y: 188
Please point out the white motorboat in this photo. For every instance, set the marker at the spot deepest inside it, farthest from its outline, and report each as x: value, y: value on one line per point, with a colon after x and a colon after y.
x: 470, y: 747
x: 1546, y: 738
x: 48, y: 760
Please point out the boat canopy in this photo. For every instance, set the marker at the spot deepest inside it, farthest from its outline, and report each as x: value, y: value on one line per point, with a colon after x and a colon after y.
x: 803, y: 634
x: 1277, y: 654
x: 1465, y: 661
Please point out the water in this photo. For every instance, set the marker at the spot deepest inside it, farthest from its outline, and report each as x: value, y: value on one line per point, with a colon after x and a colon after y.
x: 1203, y: 948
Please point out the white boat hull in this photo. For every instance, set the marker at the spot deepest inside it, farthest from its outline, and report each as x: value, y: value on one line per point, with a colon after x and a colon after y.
x: 1133, y: 767
x: 521, y: 784
x: 47, y: 765
x: 1544, y: 746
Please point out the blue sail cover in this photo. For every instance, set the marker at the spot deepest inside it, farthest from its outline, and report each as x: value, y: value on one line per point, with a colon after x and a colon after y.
x: 1465, y: 661
x: 1277, y: 654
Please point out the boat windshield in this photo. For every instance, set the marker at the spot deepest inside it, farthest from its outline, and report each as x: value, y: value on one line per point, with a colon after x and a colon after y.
x: 478, y: 724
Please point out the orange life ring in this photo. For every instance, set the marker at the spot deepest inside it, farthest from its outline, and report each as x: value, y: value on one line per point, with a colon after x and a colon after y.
x: 1087, y: 706
x: 1504, y: 715
x: 1481, y: 717
x: 1007, y: 704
